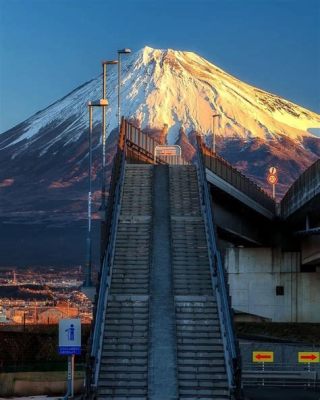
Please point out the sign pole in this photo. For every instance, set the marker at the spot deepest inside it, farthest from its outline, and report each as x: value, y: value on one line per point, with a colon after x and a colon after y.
x: 70, y: 344
x: 70, y: 383
x: 69, y: 376
x: 274, y: 191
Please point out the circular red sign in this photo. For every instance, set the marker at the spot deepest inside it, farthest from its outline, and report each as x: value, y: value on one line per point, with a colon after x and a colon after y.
x: 272, y: 179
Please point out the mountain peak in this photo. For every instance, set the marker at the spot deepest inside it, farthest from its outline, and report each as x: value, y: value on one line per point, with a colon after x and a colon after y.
x: 171, y: 95
x: 178, y: 88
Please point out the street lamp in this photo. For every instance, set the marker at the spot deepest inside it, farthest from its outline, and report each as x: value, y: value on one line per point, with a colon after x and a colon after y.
x: 88, y: 273
x: 213, y: 133
x: 122, y: 51
x: 104, y: 106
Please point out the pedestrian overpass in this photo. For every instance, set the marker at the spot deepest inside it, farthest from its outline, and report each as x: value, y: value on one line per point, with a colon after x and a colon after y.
x: 163, y: 323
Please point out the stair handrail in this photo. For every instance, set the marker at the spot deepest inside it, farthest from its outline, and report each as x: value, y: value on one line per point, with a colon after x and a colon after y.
x: 114, y: 202
x: 226, y: 171
x: 219, y: 281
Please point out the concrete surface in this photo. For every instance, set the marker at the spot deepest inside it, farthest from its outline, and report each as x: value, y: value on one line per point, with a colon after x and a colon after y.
x: 254, y: 274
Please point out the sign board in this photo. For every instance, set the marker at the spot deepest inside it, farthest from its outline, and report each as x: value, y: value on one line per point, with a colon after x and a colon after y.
x: 272, y: 179
x: 262, y: 356
x: 70, y: 336
x: 273, y: 170
x: 174, y: 150
x: 308, y: 357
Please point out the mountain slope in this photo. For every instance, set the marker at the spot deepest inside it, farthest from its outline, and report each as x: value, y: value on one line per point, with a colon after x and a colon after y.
x: 43, y: 160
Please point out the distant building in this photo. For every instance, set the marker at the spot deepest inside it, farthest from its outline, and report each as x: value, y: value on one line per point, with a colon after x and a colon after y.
x: 50, y: 316
x: 3, y: 317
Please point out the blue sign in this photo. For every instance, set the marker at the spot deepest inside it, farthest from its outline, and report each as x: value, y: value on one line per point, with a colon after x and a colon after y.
x: 68, y: 350
x: 70, y: 336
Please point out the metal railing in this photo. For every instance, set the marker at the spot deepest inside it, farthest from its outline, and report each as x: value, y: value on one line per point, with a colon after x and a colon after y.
x: 281, y: 374
x: 302, y: 190
x: 111, y: 217
x: 220, y: 285
x: 227, y: 172
x: 141, y: 148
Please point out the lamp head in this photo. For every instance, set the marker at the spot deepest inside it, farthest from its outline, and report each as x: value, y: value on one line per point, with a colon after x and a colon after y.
x: 98, y: 103
x: 124, y: 51
x: 109, y: 62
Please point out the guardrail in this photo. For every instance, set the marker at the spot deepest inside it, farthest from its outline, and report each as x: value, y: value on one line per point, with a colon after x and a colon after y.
x: 141, y: 148
x: 280, y: 374
x: 227, y: 172
x: 220, y: 285
x: 302, y: 190
x: 111, y: 218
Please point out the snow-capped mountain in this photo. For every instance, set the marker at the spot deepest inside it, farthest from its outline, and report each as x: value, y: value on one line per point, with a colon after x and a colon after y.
x: 43, y: 160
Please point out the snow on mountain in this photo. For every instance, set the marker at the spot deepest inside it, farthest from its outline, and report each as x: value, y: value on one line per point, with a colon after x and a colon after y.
x: 180, y: 89
x: 46, y: 155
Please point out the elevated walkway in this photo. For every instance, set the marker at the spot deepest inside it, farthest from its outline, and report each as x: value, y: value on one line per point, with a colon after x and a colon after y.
x: 163, y: 323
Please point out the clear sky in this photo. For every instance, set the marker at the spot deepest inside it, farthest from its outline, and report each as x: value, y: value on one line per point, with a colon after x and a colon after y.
x: 49, y: 47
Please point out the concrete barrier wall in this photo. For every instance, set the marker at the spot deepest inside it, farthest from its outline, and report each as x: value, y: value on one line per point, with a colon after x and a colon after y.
x: 255, y: 273
x: 37, y: 383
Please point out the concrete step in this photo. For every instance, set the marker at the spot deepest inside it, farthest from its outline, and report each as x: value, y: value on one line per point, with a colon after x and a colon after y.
x: 124, y: 358
x: 122, y: 391
x: 130, y: 354
x: 212, y: 370
x: 123, y: 369
x: 127, y: 341
x: 199, y: 393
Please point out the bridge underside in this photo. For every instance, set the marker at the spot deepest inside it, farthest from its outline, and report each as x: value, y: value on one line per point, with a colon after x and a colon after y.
x: 238, y: 223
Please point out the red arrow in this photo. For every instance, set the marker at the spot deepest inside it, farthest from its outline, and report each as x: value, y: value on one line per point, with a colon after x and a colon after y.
x: 261, y: 356
x: 311, y: 357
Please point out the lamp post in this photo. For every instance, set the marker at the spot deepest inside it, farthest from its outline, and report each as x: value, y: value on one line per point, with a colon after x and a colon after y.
x: 214, y: 133
x: 88, y: 280
x: 104, y: 134
x: 122, y: 51
x: 88, y: 273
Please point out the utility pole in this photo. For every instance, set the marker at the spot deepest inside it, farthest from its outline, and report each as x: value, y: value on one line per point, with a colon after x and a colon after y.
x: 123, y: 51
x: 88, y: 272
x: 213, y: 132
x: 104, y: 104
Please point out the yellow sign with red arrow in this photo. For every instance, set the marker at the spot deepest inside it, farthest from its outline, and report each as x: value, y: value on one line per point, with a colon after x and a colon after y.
x: 308, y: 356
x: 262, y: 356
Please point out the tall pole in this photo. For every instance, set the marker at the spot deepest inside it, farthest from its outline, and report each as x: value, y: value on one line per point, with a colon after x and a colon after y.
x: 213, y: 132
x: 88, y: 277
x: 103, y: 104
x: 104, y: 92
x: 119, y: 89
x: 123, y: 51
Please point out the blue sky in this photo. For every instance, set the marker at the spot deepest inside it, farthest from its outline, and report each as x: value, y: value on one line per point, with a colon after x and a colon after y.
x: 49, y: 47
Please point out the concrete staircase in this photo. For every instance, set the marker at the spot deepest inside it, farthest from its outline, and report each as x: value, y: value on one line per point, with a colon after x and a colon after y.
x: 161, y: 337
x: 124, y: 360
x: 200, y: 354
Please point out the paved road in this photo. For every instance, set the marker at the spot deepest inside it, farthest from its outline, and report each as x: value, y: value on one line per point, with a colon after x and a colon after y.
x: 280, y: 394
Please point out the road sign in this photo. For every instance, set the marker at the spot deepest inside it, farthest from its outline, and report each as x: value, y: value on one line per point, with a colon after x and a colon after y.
x: 273, y: 170
x: 163, y: 150
x: 262, y: 356
x: 272, y: 179
x: 70, y: 336
x: 308, y: 357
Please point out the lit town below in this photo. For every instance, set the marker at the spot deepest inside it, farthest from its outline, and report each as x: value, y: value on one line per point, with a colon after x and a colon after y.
x: 42, y: 296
